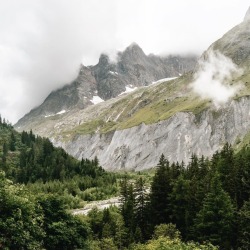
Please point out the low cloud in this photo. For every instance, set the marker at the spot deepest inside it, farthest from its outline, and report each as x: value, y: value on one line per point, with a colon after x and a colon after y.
x: 213, y: 79
x: 43, y: 42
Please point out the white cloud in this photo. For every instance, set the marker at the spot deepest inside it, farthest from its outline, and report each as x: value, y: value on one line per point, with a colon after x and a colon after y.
x: 214, y: 77
x: 43, y: 42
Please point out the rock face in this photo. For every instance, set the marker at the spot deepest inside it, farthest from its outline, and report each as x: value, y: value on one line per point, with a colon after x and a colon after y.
x: 109, y: 79
x: 178, y: 137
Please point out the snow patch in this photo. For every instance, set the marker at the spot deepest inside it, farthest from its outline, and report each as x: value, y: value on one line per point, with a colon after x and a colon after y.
x: 164, y: 80
x: 113, y: 73
x: 61, y: 112
x: 58, y: 113
x: 129, y: 89
x: 96, y: 99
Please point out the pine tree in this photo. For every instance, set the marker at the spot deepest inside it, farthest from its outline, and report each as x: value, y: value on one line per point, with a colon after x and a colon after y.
x: 128, y: 206
x: 242, y: 162
x: 244, y: 227
x: 181, y: 198
x: 214, y: 222
x: 228, y: 171
x: 141, y: 208
x: 12, y: 142
x: 5, y: 148
x: 160, y: 191
x: 193, y: 168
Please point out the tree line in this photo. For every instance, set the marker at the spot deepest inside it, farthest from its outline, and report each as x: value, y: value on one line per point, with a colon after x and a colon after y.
x: 34, y: 161
x: 203, y: 205
x: 206, y: 201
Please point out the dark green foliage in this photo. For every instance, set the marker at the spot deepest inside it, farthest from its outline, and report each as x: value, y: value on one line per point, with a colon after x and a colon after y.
x: 26, y: 223
x: 12, y: 142
x: 128, y: 206
x: 34, y: 161
x: 44, y: 161
x: 202, y: 200
x: 242, y: 174
x: 21, y: 218
x: 108, y: 224
x: 141, y: 210
x: 181, y: 205
x: 160, y: 193
x: 63, y: 230
x: 244, y: 227
x: 166, y: 230
x: 208, y: 200
x: 214, y: 222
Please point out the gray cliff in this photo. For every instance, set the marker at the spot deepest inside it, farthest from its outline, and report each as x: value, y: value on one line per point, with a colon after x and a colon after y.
x: 177, y: 138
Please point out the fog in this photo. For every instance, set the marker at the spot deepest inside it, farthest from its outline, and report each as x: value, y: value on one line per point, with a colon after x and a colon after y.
x: 43, y: 42
x: 213, y: 79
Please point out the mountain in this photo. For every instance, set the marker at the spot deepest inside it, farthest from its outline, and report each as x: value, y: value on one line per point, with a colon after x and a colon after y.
x: 108, y: 79
x: 132, y: 130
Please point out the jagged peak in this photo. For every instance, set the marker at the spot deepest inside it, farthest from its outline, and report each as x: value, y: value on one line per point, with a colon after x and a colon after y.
x: 134, y: 50
x: 134, y: 45
x: 247, y: 16
x: 104, y: 59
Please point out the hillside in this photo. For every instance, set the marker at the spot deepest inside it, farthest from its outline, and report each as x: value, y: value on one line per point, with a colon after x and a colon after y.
x: 35, y: 162
x: 194, y: 204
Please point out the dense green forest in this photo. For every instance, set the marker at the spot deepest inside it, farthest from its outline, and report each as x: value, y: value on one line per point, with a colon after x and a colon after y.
x: 204, y: 205
x: 206, y: 201
x: 34, y: 161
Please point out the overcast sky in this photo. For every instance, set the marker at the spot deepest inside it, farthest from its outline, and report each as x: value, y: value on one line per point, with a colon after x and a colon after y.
x: 43, y: 42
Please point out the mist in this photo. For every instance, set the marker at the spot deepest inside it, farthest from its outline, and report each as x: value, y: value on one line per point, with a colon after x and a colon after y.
x: 43, y: 42
x: 213, y: 80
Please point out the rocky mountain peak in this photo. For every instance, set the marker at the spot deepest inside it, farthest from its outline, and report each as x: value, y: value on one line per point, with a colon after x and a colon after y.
x: 108, y: 79
x: 247, y: 16
x: 133, y: 52
x: 104, y: 59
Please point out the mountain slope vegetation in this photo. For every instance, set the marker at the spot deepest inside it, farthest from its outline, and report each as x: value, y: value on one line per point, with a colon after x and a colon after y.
x: 33, y: 160
x: 203, y: 205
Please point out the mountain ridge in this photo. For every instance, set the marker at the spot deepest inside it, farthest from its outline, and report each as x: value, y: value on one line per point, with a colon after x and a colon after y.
x: 108, y: 79
x: 133, y: 130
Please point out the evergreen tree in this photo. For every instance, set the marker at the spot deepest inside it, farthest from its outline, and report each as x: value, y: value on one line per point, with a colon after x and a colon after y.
x: 160, y: 192
x: 21, y: 218
x: 214, y: 222
x: 244, y: 227
x: 166, y: 230
x: 193, y: 168
x: 12, y: 142
x: 181, y: 200
x: 228, y: 171
x: 141, y: 209
x: 5, y: 148
x: 242, y: 162
x: 64, y: 231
